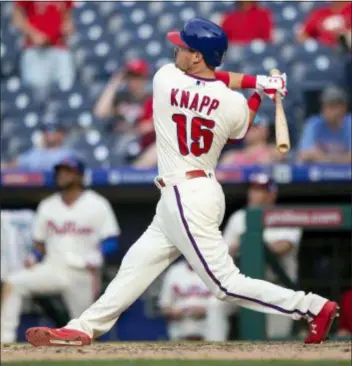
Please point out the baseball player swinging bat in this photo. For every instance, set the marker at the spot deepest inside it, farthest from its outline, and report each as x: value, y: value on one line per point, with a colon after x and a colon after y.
x: 281, y: 128
x: 195, y: 114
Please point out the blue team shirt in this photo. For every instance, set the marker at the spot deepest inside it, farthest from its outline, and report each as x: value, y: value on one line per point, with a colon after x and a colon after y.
x: 317, y: 133
x: 43, y: 159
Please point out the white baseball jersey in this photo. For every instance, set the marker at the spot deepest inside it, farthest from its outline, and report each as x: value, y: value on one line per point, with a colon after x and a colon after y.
x: 236, y: 227
x: 182, y: 288
x: 72, y: 234
x: 194, y: 119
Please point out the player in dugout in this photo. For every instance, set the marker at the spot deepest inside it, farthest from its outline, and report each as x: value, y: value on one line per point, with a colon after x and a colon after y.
x: 183, y: 301
x: 74, y: 230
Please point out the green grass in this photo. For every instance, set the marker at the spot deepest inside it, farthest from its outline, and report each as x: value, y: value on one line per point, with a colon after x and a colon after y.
x: 178, y: 363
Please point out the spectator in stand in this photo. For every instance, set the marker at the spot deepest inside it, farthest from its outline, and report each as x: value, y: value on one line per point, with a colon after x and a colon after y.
x: 327, y: 137
x: 124, y: 96
x: 46, y: 58
x: 147, y: 157
x: 45, y: 157
x: 127, y: 102
x: 327, y: 23
x: 248, y: 22
x: 257, y: 149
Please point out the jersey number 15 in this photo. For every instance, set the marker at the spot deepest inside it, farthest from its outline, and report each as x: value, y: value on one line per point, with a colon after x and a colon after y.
x: 201, y: 135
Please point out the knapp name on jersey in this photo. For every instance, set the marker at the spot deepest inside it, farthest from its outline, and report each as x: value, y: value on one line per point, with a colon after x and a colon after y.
x: 193, y: 101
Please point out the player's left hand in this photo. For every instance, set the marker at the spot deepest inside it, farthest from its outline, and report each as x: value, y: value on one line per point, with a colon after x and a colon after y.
x: 269, y: 85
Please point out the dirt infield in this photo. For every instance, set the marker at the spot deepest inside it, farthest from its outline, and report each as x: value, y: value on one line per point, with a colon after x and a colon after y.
x: 219, y: 351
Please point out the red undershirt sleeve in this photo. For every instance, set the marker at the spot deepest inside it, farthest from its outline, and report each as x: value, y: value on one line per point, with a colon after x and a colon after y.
x: 223, y: 76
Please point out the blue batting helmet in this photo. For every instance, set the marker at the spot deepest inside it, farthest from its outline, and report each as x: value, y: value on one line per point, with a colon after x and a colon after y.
x: 72, y: 162
x: 203, y: 36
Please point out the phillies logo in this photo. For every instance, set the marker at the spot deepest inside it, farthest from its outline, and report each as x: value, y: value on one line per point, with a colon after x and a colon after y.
x: 68, y: 227
x: 191, y: 291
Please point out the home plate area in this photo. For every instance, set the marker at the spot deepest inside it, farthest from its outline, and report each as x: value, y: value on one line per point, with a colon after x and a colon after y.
x: 186, y: 351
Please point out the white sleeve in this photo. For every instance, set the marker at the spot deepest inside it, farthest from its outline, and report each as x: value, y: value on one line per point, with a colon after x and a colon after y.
x: 234, y: 228
x: 109, y: 226
x: 291, y: 234
x: 40, y: 224
x: 241, y: 117
x: 166, y: 296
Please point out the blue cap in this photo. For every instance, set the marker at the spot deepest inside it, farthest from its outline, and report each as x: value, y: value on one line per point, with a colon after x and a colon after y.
x: 203, y: 36
x: 73, y: 162
x: 263, y: 180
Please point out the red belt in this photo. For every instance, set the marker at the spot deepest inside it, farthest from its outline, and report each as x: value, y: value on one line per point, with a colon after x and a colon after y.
x: 189, y: 175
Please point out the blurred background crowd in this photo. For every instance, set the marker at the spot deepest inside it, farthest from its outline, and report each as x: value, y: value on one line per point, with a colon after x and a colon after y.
x: 76, y: 76
x: 75, y: 79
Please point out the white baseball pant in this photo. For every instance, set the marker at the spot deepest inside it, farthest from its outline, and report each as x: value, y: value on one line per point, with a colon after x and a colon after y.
x: 46, y: 278
x: 187, y: 221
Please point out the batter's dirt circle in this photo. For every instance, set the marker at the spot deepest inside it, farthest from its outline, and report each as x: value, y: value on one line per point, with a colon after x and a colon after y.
x: 220, y: 351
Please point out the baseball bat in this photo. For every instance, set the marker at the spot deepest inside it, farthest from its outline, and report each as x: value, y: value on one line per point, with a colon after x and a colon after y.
x: 281, y: 128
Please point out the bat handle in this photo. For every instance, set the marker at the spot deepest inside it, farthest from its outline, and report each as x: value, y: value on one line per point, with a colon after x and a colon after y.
x: 274, y: 72
x: 282, y: 146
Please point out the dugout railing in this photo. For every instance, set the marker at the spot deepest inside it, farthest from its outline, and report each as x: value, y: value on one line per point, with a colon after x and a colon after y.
x: 255, y: 256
